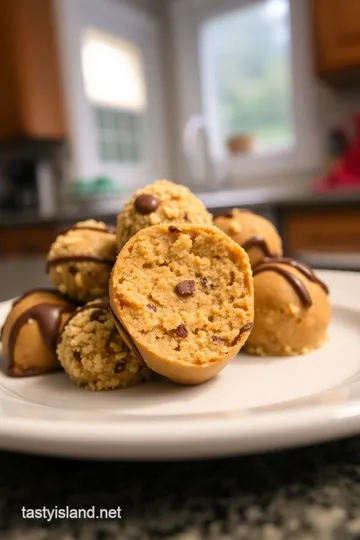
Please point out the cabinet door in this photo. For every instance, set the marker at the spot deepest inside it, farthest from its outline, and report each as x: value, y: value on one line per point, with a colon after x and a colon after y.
x: 337, y: 35
x: 322, y: 230
x: 30, y: 94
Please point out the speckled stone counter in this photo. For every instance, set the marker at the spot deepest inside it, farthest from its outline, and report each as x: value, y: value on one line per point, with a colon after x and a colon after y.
x: 306, y: 494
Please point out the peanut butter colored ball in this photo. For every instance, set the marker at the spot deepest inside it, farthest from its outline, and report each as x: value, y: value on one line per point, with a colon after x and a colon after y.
x: 93, y: 353
x: 29, y: 335
x: 160, y: 202
x: 256, y: 234
x: 80, y: 260
x: 292, y: 309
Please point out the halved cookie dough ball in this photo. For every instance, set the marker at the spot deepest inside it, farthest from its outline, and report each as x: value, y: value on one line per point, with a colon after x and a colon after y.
x: 29, y: 335
x: 256, y: 234
x: 292, y: 309
x: 182, y: 297
x: 94, y: 355
x: 160, y: 202
x: 81, y: 258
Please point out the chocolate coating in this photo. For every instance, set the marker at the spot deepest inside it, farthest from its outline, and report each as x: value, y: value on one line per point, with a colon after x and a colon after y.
x: 146, y: 203
x: 48, y: 314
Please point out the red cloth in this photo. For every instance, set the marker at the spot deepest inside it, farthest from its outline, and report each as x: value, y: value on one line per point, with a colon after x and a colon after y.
x: 345, y: 175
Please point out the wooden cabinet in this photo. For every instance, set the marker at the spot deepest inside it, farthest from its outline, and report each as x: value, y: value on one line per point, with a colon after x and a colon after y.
x: 334, y: 230
x: 336, y: 26
x: 31, y: 104
x: 26, y: 240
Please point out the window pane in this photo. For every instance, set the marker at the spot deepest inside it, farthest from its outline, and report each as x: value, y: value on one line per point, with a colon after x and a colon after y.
x: 112, y: 71
x: 247, y: 77
x: 118, y: 135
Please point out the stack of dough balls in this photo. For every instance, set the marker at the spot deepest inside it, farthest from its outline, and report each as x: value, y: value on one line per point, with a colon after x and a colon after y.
x: 74, y: 327
x: 168, y: 291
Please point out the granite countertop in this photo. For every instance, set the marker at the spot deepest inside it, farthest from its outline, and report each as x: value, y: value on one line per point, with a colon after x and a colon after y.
x: 274, y: 197
x: 304, y: 494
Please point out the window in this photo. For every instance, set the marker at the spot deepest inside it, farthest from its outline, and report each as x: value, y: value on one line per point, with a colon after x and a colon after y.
x: 246, y: 82
x: 244, y: 67
x: 114, y: 85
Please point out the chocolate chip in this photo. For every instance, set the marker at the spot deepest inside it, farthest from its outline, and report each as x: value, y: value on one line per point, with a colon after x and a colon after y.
x: 207, y: 283
x: 73, y: 270
x: 186, y: 217
x: 185, y: 288
x: 181, y: 331
x: 96, y: 314
x: 77, y: 356
x: 119, y: 367
x: 146, y: 204
x: 217, y: 339
x: 245, y: 328
x: 152, y: 307
x: 173, y: 229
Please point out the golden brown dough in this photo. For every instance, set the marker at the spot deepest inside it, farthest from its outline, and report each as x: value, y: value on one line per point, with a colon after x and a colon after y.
x: 80, y: 260
x: 30, y: 332
x: 160, y: 202
x: 292, y: 312
x: 183, y: 298
x: 256, y: 234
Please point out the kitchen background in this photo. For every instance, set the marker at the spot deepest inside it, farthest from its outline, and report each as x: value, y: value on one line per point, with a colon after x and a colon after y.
x: 252, y: 103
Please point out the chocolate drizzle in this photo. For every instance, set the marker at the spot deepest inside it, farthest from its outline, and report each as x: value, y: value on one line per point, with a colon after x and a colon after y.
x: 294, y: 281
x: 78, y: 258
x: 54, y: 292
x: 258, y: 241
x: 48, y: 317
x: 246, y: 328
x: 107, y: 230
x: 126, y: 336
x: 96, y: 305
x: 300, y: 266
x: 40, y: 290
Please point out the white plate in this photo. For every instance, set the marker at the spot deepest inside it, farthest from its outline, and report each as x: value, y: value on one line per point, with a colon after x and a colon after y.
x: 254, y: 405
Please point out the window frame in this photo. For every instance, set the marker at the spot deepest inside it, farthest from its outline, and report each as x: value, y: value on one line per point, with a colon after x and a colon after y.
x: 306, y: 154
x: 144, y: 31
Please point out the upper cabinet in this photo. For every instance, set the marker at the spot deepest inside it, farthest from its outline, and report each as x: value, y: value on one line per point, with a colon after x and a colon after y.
x: 337, y: 39
x: 31, y: 104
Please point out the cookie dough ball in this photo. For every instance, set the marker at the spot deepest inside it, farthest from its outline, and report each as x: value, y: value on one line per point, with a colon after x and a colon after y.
x: 94, y: 355
x: 29, y: 335
x: 80, y: 260
x: 182, y: 297
x: 256, y: 234
x: 292, y: 309
x: 160, y: 202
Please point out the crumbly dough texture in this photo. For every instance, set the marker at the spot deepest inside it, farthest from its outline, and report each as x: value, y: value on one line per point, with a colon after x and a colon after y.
x: 83, y: 281
x: 176, y: 205
x: 95, y: 356
x: 282, y: 325
x: 186, y: 336
x: 243, y: 225
x: 31, y: 353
